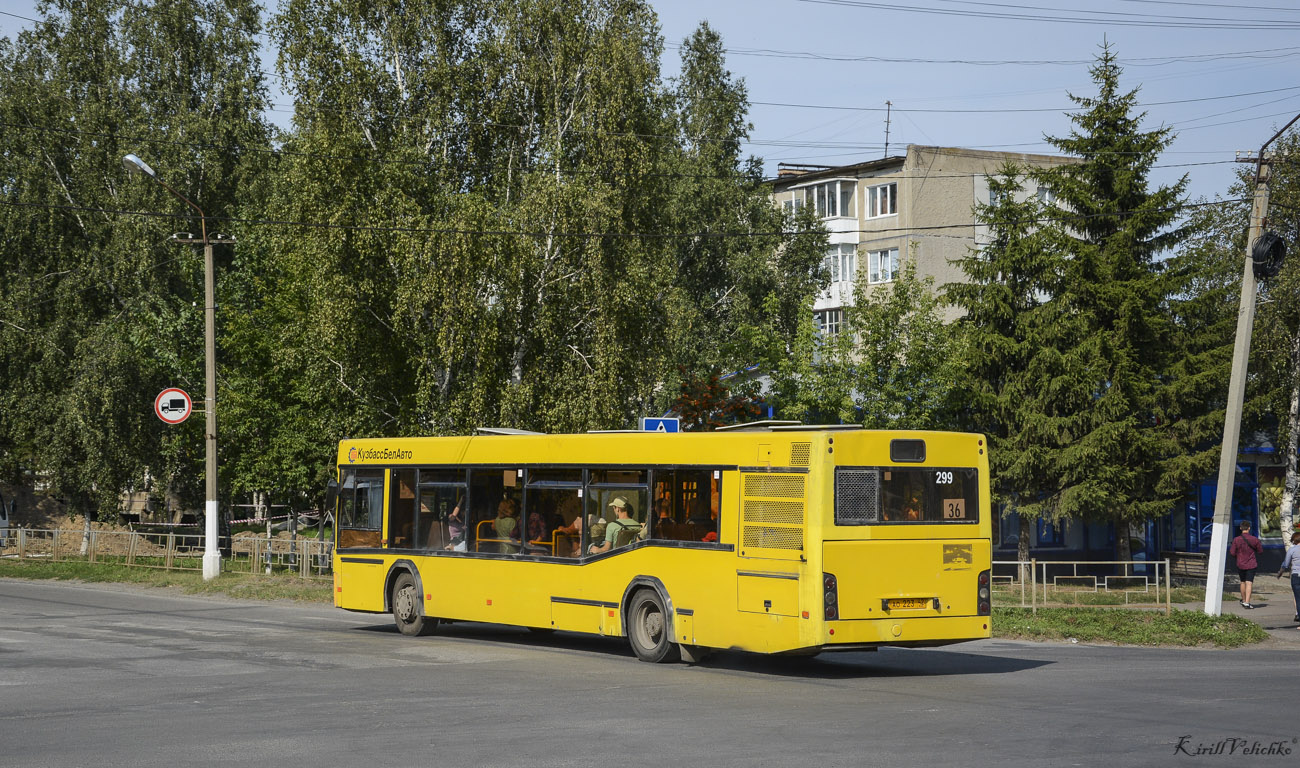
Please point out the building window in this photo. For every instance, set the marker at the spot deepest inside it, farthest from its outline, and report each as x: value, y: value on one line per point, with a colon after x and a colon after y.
x: 829, y: 321
x: 842, y: 263
x: 1050, y: 534
x: 1046, y: 196
x: 882, y: 266
x: 832, y: 199
x: 882, y: 200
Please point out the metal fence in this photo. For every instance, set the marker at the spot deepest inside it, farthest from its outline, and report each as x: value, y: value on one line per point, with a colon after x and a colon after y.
x: 1028, y: 583
x: 309, y: 558
x: 1052, y: 583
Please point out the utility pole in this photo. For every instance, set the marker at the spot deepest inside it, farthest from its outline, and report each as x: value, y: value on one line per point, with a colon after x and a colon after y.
x: 211, y: 553
x: 1236, y: 387
x: 889, y: 106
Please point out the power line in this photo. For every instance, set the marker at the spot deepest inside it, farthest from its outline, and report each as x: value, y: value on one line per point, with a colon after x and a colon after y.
x: 1148, y: 61
x: 1112, y: 18
x: 567, y: 171
x: 1065, y: 219
x: 1017, y: 109
x: 820, y: 145
x: 16, y: 16
x: 1229, y: 6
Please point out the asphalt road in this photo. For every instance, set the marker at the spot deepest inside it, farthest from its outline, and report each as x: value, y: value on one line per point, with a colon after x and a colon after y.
x: 114, y: 676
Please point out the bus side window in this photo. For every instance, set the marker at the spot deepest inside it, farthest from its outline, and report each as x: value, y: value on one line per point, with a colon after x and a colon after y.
x: 687, y: 504
x: 494, y: 524
x: 401, y: 509
x: 612, y: 528
x: 361, y: 508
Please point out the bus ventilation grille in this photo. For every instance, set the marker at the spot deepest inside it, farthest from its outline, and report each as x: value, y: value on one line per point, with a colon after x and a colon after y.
x: 857, y: 496
x: 772, y: 538
x: 800, y: 453
x: 773, y: 512
x: 774, y: 486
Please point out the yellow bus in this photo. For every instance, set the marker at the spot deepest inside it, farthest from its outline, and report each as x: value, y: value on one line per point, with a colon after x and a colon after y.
x: 772, y: 537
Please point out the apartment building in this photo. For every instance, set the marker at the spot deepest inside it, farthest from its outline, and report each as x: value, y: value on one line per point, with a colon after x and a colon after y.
x: 881, y: 213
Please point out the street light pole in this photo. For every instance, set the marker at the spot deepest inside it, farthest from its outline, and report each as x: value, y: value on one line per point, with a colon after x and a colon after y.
x: 1236, y: 389
x: 1236, y: 395
x: 211, y: 554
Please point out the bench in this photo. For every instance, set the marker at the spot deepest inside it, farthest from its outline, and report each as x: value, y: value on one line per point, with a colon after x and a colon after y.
x: 1188, y: 565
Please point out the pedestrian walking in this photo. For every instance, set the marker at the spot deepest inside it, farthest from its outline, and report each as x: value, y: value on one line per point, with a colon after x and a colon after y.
x: 1244, y: 548
x: 1292, y: 563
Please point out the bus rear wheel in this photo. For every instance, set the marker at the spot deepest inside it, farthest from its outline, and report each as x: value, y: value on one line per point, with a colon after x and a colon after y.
x: 649, y: 628
x: 408, y: 611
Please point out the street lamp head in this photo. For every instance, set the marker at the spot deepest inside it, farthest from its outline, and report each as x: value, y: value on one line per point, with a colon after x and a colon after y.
x: 133, y: 163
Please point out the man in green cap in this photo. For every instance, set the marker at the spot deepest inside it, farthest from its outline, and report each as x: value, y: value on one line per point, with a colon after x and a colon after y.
x: 621, y: 524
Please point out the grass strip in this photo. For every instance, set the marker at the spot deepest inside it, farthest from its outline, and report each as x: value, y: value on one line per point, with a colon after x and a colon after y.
x: 1126, y: 627
x: 243, y: 586
x: 1153, y: 597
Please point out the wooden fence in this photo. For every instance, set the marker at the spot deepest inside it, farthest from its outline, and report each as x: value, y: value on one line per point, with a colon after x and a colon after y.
x: 309, y: 558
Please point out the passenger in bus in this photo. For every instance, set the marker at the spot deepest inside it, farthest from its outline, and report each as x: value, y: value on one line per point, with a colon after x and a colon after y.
x: 569, y: 538
x: 698, y: 514
x: 712, y: 534
x: 621, y: 527
x: 912, y: 509
x: 456, y: 528
x: 536, y: 526
x: 595, y: 528
x: 664, y: 516
x: 506, y: 525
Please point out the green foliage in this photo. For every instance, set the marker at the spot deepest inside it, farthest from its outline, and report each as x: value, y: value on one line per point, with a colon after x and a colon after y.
x: 906, y: 369
x: 100, y: 311
x: 1015, y: 342
x: 1276, y: 343
x: 1213, y: 267
x: 1074, y: 358
x: 1113, y: 458
x: 484, y: 213
x: 705, y: 403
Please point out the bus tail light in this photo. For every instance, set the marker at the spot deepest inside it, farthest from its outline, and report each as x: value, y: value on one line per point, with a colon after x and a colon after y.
x: 831, y: 597
x: 983, y: 596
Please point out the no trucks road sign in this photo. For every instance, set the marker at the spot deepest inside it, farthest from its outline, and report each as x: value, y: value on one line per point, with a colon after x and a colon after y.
x: 173, y: 405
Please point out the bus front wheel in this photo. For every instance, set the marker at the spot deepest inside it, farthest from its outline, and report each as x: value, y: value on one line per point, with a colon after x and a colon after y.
x: 407, y: 608
x: 650, y: 628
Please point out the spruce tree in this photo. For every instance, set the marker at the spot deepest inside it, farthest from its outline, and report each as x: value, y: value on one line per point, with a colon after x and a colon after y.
x: 1014, y: 339
x: 1114, y: 437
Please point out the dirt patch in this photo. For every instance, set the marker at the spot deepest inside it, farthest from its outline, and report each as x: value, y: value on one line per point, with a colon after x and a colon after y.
x: 32, y: 510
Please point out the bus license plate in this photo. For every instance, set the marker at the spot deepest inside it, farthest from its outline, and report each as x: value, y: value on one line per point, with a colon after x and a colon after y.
x: 910, y: 603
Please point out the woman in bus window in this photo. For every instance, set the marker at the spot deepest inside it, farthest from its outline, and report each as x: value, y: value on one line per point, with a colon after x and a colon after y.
x: 506, y: 523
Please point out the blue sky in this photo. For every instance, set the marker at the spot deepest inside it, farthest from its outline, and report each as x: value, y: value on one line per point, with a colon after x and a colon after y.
x: 819, y: 72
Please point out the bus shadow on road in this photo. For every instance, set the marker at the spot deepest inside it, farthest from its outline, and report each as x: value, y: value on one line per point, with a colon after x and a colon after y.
x: 887, y: 662
x: 508, y: 634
